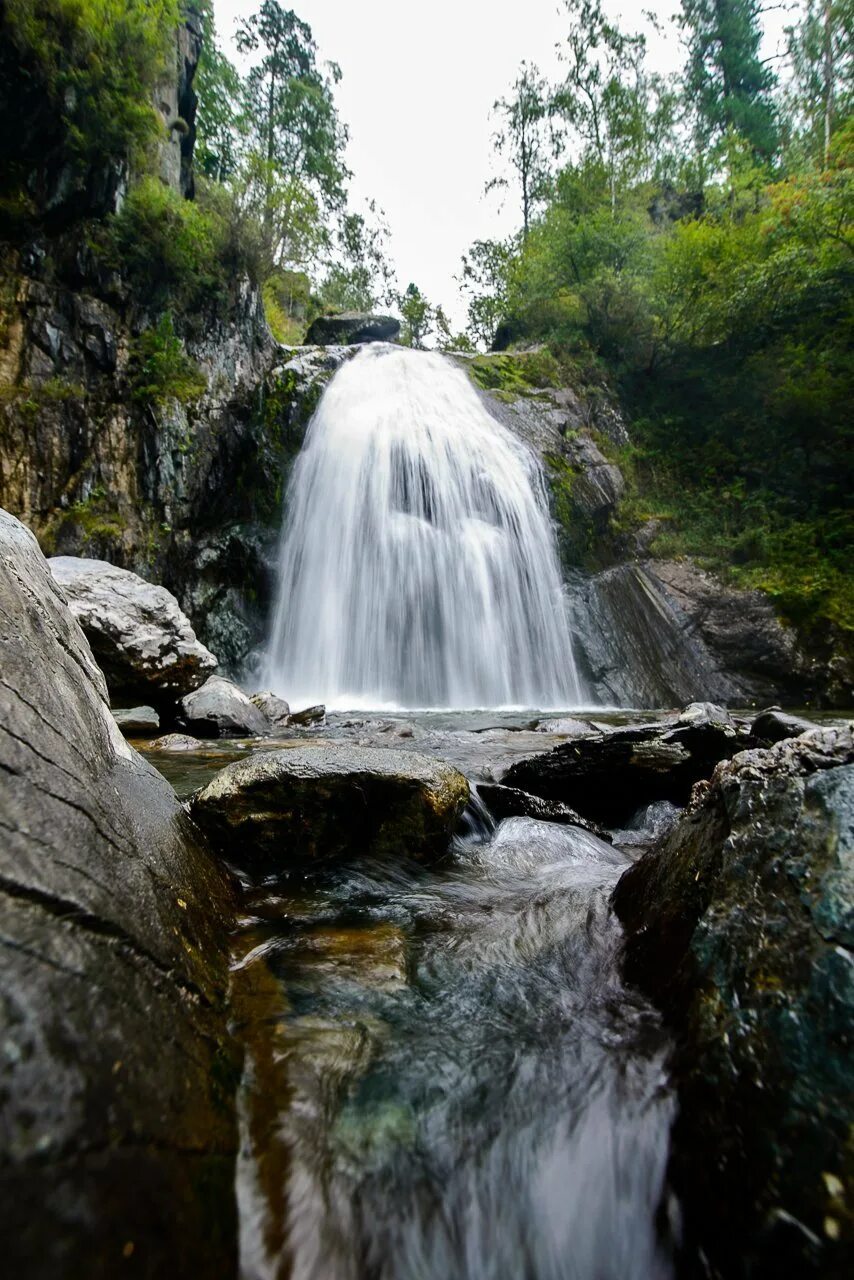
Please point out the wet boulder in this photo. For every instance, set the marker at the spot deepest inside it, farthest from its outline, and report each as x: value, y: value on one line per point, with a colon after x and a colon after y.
x: 607, y: 776
x: 308, y: 716
x: 116, y: 1072
x: 740, y: 924
x: 508, y: 802
x: 273, y: 707
x: 773, y: 725
x: 320, y: 803
x: 141, y: 639
x: 219, y: 709
x: 351, y: 327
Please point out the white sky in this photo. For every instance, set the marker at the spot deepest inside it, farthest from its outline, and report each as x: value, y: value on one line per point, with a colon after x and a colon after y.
x: 419, y: 81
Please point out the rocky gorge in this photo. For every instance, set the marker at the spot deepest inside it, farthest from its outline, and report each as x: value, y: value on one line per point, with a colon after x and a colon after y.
x: 379, y: 993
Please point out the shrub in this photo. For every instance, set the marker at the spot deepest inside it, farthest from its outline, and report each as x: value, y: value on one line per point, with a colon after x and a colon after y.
x: 160, y: 369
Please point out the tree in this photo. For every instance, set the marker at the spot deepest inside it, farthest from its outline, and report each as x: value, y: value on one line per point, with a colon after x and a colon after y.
x: 446, y: 339
x: 289, y: 104
x: 485, y: 270
x: 418, y: 317
x: 218, y: 116
x: 524, y: 138
x: 361, y: 276
x: 727, y: 83
x: 821, y: 49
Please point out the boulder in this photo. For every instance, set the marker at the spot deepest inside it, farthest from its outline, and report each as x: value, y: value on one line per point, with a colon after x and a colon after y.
x: 351, y: 327
x: 116, y: 1072
x: 314, y: 804
x: 311, y: 715
x: 608, y: 776
x: 220, y: 710
x: 507, y: 802
x: 274, y: 708
x: 142, y: 641
x: 773, y: 725
x: 137, y: 722
x: 740, y: 924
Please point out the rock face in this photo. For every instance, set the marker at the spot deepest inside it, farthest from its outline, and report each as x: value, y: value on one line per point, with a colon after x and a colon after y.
x: 740, y: 924
x: 220, y: 710
x: 351, y: 328
x: 143, y: 642
x: 282, y: 808
x: 116, y: 1071
x: 607, y: 776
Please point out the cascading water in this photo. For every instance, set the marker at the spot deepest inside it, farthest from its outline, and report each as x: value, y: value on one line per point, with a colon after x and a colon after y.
x: 418, y: 565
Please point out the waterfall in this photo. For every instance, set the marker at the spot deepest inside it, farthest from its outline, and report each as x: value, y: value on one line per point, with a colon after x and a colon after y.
x: 418, y: 565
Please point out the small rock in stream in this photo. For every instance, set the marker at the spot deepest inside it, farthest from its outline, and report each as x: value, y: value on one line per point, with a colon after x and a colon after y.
x: 508, y: 802
x: 273, y: 707
x: 221, y: 710
x: 137, y: 722
x: 311, y: 715
x: 774, y: 725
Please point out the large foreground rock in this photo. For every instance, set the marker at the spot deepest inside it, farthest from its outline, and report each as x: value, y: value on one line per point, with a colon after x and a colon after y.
x: 607, y: 776
x: 741, y: 926
x: 115, y: 1070
x: 144, y: 644
x: 351, y: 327
x: 320, y: 803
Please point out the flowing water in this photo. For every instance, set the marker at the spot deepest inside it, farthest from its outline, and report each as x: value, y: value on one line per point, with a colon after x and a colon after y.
x: 418, y: 564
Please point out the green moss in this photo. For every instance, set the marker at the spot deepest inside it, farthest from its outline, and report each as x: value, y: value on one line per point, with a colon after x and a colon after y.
x: 515, y: 373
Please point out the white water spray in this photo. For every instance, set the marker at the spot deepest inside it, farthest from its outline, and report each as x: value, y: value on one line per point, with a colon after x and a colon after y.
x: 418, y: 566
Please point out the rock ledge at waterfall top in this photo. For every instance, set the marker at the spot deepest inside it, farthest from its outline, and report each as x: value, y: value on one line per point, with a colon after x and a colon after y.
x: 323, y: 803
x: 352, y: 328
x: 740, y: 925
x: 142, y: 640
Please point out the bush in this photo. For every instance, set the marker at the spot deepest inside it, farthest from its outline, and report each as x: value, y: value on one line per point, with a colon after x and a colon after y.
x: 160, y: 369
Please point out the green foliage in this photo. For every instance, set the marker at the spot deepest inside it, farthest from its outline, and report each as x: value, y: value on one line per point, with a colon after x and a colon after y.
x: 218, y: 120
x: 160, y: 369
x: 98, y: 61
x: 516, y: 373
x: 418, y: 317
x: 287, y: 300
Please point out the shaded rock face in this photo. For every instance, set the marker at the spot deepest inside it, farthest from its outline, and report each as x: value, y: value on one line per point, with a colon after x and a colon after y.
x: 220, y: 710
x: 298, y: 807
x: 351, y: 327
x: 740, y: 924
x: 608, y: 776
x: 116, y: 1072
x: 652, y: 633
x: 143, y: 642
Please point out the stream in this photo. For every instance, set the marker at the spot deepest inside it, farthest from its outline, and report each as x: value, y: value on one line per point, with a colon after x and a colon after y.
x: 444, y: 1075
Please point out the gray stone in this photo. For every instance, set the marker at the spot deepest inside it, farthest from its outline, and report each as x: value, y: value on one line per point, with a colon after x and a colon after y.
x: 137, y: 722
x: 508, y: 802
x: 176, y: 742
x: 773, y: 725
x: 219, y: 709
x: 608, y: 776
x: 116, y: 1073
x: 143, y: 642
x: 273, y: 707
x: 285, y: 808
x: 352, y: 327
x: 740, y: 924
x: 308, y: 716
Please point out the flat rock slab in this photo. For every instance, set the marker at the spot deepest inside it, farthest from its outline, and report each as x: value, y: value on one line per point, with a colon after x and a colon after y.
x: 324, y: 803
x: 142, y: 640
x: 137, y: 722
x: 607, y: 776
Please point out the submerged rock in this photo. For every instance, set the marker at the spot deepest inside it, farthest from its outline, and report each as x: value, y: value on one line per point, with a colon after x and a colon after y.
x: 274, y: 708
x: 508, y: 802
x: 608, y: 776
x: 137, y: 722
x: 143, y: 642
x: 116, y: 1072
x: 176, y: 742
x: 220, y: 710
x: 292, y: 806
x: 352, y: 327
x: 740, y: 925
